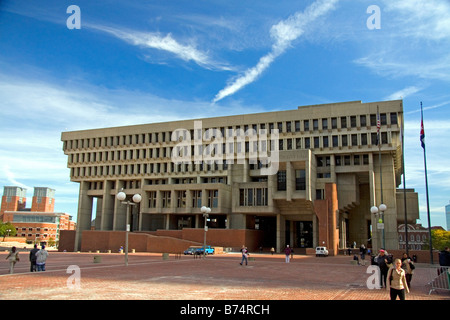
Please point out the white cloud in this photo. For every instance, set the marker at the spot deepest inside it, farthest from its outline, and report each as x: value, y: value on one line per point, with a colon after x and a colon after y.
x: 403, y: 93
x: 426, y: 19
x: 154, y: 40
x: 283, y: 34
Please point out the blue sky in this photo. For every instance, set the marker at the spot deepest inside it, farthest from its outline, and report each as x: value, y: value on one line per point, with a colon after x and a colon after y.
x: 135, y: 62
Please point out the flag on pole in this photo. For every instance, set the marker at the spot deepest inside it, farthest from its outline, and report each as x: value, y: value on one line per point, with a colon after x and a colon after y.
x: 422, y: 131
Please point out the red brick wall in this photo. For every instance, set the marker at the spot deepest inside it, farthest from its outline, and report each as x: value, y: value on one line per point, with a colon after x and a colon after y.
x: 423, y: 256
x: 66, y: 240
x: 93, y: 240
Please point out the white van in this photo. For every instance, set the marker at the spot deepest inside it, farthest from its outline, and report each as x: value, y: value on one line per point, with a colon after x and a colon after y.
x: 321, y: 251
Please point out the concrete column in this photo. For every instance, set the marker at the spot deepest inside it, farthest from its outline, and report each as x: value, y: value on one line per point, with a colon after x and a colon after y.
x: 84, y: 213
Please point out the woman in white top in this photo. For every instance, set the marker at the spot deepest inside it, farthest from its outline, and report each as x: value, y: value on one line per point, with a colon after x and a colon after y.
x: 397, y: 281
x: 13, y: 257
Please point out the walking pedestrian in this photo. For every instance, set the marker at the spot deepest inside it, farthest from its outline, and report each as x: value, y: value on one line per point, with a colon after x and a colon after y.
x: 397, y: 281
x: 382, y: 260
x: 272, y: 250
x: 13, y: 257
x: 362, y: 252
x: 409, y: 267
x: 287, y: 252
x: 41, y: 258
x: 245, y: 254
x: 33, y: 258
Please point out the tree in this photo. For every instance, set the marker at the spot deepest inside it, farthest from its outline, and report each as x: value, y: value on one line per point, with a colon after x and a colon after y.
x: 7, y: 229
x: 440, y: 239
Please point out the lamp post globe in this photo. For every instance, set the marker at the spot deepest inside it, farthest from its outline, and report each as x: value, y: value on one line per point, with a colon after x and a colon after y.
x: 137, y: 198
x: 383, y: 207
x: 121, y: 196
x: 374, y: 210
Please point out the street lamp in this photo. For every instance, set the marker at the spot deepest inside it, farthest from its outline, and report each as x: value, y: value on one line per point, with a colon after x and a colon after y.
x: 380, y: 222
x: 206, y: 211
x: 121, y: 196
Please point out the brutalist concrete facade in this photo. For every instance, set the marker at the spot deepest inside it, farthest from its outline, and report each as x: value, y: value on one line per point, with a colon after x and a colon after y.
x: 303, y: 177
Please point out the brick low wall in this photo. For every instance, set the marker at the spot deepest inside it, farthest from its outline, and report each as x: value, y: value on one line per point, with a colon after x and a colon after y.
x: 170, y: 241
x: 93, y: 240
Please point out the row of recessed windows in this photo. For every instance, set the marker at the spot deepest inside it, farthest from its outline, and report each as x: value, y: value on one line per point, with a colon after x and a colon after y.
x: 37, y: 229
x: 285, y: 126
x: 212, y: 198
x: 344, y: 140
x: 170, y: 167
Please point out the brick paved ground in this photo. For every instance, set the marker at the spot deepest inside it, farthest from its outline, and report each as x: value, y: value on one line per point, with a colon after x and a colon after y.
x: 218, y: 277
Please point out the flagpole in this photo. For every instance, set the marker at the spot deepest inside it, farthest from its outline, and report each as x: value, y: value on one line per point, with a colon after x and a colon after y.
x: 381, y: 176
x: 422, y: 133
x: 404, y: 187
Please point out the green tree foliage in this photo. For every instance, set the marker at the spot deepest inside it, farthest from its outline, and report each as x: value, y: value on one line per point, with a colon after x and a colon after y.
x: 7, y: 229
x: 439, y: 238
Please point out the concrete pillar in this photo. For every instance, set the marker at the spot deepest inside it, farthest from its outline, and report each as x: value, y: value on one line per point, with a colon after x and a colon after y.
x: 84, y: 213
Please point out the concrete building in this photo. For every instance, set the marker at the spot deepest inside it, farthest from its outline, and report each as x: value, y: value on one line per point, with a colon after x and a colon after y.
x: 303, y: 177
x: 39, y: 223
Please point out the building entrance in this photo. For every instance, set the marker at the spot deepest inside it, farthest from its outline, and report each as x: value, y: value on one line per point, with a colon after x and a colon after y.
x: 269, y: 226
x: 303, y: 234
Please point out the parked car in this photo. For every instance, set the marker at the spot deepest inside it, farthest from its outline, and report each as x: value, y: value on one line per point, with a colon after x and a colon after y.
x: 321, y: 251
x: 199, y: 250
x: 189, y: 251
x: 209, y: 250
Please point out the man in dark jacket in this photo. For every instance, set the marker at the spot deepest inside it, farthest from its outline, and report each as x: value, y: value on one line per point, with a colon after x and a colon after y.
x: 33, y: 258
x: 444, y: 257
x: 383, y: 260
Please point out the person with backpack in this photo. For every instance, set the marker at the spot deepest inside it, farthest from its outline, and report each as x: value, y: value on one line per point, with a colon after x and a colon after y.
x: 408, y: 266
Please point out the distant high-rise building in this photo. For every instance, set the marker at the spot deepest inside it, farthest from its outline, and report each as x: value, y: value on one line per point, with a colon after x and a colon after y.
x: 447, y: 216
x: 39, y: 223
x: 13, y: 199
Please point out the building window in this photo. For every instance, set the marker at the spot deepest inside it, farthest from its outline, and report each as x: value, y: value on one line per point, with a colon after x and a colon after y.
x: 354, y: 139
x: 362, y: 120
x: 394, y: 118
x: 166, y: 199
x: 316, y: 142
x: 300, y: 179
x: 320, y: 194
x: 197, y: 199
x: 213, y: 198
x: 364, y: 139
x: 297, y: 126
x: 307, y: 143
x: 181, y: 203
x: 335, y: 141
x: 353, y: 121
x: 343, y: 122
x: 315, y: 124
x: 344, y: 140
x: 334, y: 123
x: 253, y: 197
x: 281, y: 180
x: 325, y: 124
x: 306, y: 125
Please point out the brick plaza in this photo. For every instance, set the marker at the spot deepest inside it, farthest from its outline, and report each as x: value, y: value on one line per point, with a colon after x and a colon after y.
x: 218, y: 277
